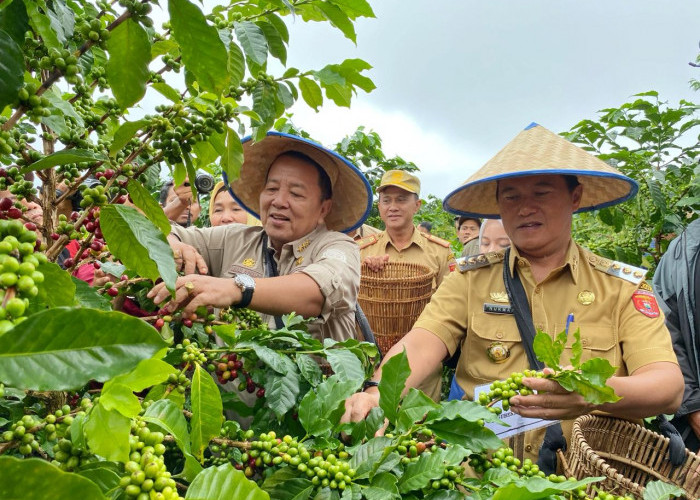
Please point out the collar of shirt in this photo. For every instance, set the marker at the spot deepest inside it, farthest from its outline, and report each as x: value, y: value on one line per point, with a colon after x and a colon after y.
x: 417, y: 238
x: 571, y: 261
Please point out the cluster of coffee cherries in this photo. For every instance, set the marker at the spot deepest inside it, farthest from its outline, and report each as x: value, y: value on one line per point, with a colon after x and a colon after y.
x: 92, y: 29
x: 503, y: 390
x: 19, y: 276
x: 13, y: 180
x: 229, y: 368
x: 201, y: 315
x: 452, y: 477
x: 411, y: 449
x: 327, y: 468
x: 146, y: 474
x: 243, y: 318
x: 37, y: 106
x: 90, y: 225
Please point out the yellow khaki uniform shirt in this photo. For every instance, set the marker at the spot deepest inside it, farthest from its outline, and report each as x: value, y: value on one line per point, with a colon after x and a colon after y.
x: 425, y: 249
x: 363, y: 231
x: 612, y: 306
x: 330, y: 258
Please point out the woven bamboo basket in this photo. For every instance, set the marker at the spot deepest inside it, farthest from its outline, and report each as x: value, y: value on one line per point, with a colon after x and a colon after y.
x: 392, y: 299
x: 628, y: 456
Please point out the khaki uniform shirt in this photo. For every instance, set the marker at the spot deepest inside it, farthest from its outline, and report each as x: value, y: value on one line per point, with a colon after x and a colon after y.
x: 330, y: 258
x: 617, y: 318
x: 426, y: 249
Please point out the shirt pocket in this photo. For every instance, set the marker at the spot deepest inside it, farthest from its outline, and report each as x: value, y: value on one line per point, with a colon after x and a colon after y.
x: 489, y: 332
x: 597, y: 341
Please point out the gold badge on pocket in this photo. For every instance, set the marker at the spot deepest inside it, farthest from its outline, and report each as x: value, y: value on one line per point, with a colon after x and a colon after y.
x: 249, y: 262
x: 586, y: 297
x: 498, y: 352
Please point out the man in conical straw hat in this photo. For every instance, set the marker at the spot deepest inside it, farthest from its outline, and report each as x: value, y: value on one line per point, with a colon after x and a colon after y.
x: 298, y: 260
x: 535, y: 184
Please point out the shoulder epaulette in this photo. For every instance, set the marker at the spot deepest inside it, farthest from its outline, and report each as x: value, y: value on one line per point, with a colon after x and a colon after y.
x: 369, y: 240
x: 437, y: 240
x: 620, y: 269
x: 477, y: 261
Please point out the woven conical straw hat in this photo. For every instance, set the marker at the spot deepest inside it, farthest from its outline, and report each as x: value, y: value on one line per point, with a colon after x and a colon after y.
x: 537, y: 151
x: 352, y: 194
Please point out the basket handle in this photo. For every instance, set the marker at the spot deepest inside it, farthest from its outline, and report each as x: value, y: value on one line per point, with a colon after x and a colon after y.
x: 564, y: 463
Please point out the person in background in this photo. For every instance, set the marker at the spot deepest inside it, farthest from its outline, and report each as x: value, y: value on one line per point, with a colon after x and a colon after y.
x: 677, y: 284
x: 608, y: 302
x: 179, y: 204
x: 493, y: 236
x: 223, y: 209
x: 425, y: 227
x: 468, y: 235
x: 298, y: 260
x: 398, y: 202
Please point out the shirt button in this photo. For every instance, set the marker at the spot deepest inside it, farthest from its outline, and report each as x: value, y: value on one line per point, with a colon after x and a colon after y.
x: 584, y: 342
x: 538, y: 289
x: 499, y: 335
x: 521, y: 263
x: 528, y: 448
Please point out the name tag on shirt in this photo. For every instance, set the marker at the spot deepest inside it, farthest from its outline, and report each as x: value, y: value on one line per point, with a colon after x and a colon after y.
x: 498, y: 308
x: 516, y: 423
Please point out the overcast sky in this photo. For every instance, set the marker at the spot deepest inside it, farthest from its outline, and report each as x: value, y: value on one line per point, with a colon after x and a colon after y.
x: 456, y: 80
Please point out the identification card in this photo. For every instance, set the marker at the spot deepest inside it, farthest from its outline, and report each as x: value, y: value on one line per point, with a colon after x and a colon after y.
x: 516, y: 423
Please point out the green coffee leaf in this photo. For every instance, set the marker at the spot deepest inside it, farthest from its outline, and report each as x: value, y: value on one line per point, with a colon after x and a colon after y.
x: 103, y: 474
x: 42, y: 25
x: 593, y: 392
x: 124, y: 134
x: 87, y: 296
x: 463, y: 409
x: 232, y: 160
x: 107, y: 433
x: 11, y: 69
x: 168, y: 416
x: 149, y: 206
x: 659, y: 490
x: 193, y: 33
x: 309, y: 369
x: 414, y: 407
x: 253, y: 41
x: 320, y: 410
x: 576, y: 349
x: 291, y: 489
x: 236, y: 64
x: 207, y: 410
x: 282, y: 392
x: 310, y: 92
x: 534, y: 488
x: 383, y: 487
x: 547, y: 350
x: 57, y: 289
x: 346, y: 365
x: 339, y: 19
x: 224, y: 482
x: 129, y: 42
x: 275, y: 42
x: 140, y: 245
x: 63, y: 157
x: 417, y: 474
x: 14, y: 21
x: 391, y: 386
x: 18, y: 477
x: 470, y: 435
x: 64, y: 348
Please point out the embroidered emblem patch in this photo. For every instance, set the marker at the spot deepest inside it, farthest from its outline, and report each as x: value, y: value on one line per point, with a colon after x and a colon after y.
x: 249, y: 262
x: 453, y: 266
x: 334, y: 253
x: 497, y: 352
x: 645, y: 302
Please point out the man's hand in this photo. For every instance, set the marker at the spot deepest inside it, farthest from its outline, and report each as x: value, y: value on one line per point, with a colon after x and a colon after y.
x: 184, y: 193
x: 552, y: 401
x: 187, y: 259
x: 694, y: 421
x: 359, y: 405
x: 195, y: 290
x: 376, y: 263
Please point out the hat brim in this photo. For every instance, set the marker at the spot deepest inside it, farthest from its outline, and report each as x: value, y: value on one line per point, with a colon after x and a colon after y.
x: 537, y: 151
x: 352, y: 193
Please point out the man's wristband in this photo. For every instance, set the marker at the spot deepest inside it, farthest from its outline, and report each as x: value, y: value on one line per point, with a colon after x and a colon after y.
x: 369, y: 383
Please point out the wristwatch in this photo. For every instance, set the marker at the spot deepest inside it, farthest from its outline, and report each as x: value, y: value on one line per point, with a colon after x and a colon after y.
x: 247, y: 286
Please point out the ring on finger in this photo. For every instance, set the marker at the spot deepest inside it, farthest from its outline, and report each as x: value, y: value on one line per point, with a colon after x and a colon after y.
x: 189, y: 286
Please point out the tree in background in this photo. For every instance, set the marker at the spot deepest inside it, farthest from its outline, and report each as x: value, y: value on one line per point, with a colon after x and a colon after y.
x: 657, y: 145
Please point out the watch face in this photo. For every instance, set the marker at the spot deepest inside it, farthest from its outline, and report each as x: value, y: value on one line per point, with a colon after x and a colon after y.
x: 245, y: 280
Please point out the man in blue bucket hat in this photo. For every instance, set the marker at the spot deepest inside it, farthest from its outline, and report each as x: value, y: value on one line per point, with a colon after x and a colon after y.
x: 492, y: 307
x: 299, y: 260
